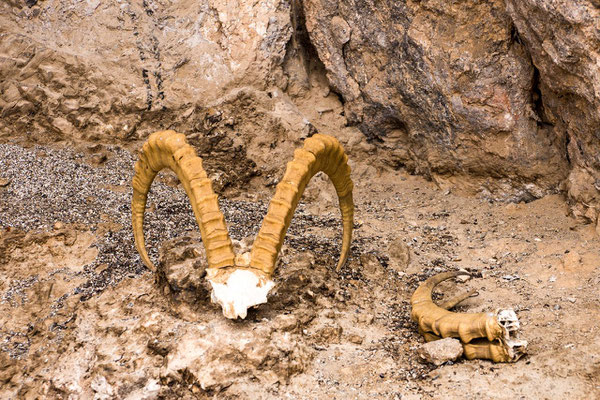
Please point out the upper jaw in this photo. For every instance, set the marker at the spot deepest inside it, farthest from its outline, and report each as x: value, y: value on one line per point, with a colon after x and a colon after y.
x: 236, y: 289
x: 509, y: 322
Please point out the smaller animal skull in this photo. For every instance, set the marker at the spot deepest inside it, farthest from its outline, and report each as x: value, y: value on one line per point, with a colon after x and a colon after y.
x: 491, y: 335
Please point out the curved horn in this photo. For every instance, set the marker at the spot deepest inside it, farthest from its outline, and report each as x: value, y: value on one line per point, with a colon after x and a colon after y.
x: 441, y: 322
x: 482, y: 348
x: 496, y: 351
x: 453, y: 302
x: 168, y: 149
x: 320, y: 153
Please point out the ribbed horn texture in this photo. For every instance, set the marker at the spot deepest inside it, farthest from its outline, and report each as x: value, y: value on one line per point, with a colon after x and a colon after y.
x: 168, y: 149
x: 441, y: 322
x: 477, y: 348
x: 320, y: 153
x: 453, y: 302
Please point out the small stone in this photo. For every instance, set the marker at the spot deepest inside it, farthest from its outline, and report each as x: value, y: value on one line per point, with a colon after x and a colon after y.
x: 571, y: 299
x: 552, y: 279
x: 59, y: 225
x: 100, y: 268
x: 329, y: 334
x: 463, y: 278
x: 372, y: 268
x: 571, y: 261
x: 440, y: 351
x: 324, y: 110
x: 356, y: 339
x: 98, y: 159
x: 399, y: 254
x: 4, y: 182
x: 286, y: 322
x: 365, y: 318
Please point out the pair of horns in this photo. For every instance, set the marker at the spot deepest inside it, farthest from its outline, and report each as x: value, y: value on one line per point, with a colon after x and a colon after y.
x: 488, y: 335
x: 168, y: 149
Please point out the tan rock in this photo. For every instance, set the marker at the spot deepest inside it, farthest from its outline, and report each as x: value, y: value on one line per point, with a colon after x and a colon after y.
x: 329, y: 334
x: 441, y: 351
x: 561, y: 38
x: 356, y: 339
x: 455, y: 101
x: 571, y: 261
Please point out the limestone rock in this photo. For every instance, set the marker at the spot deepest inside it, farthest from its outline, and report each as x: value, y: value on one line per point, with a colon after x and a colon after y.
x: 215, y: 356
x: 329, y: 334
x: 441, y: 351
x: 182, y: 268
x: 138, y: 65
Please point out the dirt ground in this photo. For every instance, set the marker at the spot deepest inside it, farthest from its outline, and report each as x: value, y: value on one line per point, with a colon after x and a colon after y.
x: 82, y: 318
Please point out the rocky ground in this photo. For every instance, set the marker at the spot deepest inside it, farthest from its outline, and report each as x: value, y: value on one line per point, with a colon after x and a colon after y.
x: 80, y: 316
x: 494, y: 104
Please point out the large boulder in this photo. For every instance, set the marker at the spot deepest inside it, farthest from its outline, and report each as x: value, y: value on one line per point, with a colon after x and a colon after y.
x: 445, y: 86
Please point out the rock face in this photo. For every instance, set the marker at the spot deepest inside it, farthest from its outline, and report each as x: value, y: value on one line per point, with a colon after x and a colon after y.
x: 97, y: 70
x: 500, y: 97
x: 444, y: 86
x: 217, y: 355
x: 563, y: 38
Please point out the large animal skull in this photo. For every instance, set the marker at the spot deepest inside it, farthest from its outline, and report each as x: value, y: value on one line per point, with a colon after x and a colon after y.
x: 242, y: 281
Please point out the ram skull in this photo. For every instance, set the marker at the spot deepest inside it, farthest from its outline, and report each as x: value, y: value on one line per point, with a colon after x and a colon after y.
x: 489, y: 335
x: 240, y: 281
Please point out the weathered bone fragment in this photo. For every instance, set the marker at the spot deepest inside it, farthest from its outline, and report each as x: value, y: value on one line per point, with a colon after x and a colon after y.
x: 483, y: 335
x: 241, y: 281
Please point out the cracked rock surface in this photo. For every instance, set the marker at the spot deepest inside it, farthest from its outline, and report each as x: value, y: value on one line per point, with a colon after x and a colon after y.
x: 495, y: 97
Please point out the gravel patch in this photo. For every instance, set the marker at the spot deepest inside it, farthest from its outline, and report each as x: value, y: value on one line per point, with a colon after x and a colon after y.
x: 49, y: 185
